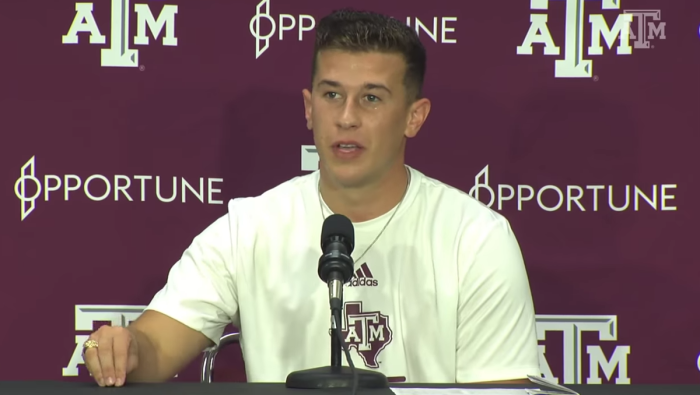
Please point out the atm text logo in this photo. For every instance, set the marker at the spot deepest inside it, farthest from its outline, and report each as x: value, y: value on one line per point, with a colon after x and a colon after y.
x: 119, y: 53
x: 573, y: 62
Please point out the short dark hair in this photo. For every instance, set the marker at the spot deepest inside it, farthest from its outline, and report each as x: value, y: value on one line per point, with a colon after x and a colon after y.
x: 364, y: 31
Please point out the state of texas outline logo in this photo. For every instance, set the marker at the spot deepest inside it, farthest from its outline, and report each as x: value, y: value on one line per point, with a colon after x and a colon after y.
x: 368, y: 332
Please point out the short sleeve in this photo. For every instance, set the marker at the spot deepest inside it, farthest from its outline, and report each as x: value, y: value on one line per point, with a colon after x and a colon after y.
x: 200, y: 290
x: 496, y: 334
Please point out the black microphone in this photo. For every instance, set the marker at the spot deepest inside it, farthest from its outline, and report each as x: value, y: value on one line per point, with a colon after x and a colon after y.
x: 335, y: 267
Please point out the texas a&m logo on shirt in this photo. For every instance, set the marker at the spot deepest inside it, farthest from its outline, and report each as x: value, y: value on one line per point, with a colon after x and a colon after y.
x: 368, y: 332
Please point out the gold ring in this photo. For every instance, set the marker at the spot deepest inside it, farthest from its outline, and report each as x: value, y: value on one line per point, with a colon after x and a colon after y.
x: 90, y: 343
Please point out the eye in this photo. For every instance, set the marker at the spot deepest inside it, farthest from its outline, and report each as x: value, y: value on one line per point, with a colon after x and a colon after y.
x: 373, y: 98
x: 331, y: 95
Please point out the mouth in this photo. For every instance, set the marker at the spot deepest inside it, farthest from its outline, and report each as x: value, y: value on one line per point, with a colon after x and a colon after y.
x: 347, y: 149
x: 347, y: 145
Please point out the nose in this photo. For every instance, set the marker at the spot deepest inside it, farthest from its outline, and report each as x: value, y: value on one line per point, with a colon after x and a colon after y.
x: 349, y: 115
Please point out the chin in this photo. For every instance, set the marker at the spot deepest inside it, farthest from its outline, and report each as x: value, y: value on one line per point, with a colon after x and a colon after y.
x: 347, y: 176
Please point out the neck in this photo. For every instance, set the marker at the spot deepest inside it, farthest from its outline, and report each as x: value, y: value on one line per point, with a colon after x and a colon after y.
x: 369, y: 201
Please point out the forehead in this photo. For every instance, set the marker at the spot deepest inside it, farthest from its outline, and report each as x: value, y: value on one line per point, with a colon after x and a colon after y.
x: 360, y: 67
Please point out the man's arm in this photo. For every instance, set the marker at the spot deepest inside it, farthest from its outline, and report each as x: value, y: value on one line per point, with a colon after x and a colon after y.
x: 191, y: 311
x: 165, y: 347
x: 496, y: 334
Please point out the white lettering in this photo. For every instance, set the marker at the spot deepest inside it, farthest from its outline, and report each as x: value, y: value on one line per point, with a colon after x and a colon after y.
x: 501, y: 197
x: 638, y: 192
x: 166, y: 19
x: 143, y: 185
x: 557, y: 190
x: 432, y: 34
x: 108, y: 187
x: 665, y: 197
x: 352, y: 336
x: 48, y: 187
x: 213, y: 190
x: 544, y: 365
x: 376, y: 332
x: 67, y: 187
x: 186, y: 185
x: 572, y: 328
x: 595, y: 189
x: 76, y: 358
x: 84, y: 21
x: 122, y: 183
x: 627, y: 198
x: 643, y: 25
x: 620, y: 30
x: 306, y: 28
x: 656, y: 31
x: 522, y: 198
x: 119, y: 54
x: 446, y: 30
x: 437, y: 32
x: 170, y: 199
x: 538, y: 33
x: 122, y: 188
x: 574, y: 196
x: 289, y: 27
x: 617, y: 360
x: 571, y: 198
x: 573, y: 65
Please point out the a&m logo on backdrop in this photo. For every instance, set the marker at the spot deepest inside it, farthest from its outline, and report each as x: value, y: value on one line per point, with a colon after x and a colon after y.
x: 574, y: 64
x: 86, y: 319
x: 582, y: 359
x: 571, y: 328
x: 119, y: 53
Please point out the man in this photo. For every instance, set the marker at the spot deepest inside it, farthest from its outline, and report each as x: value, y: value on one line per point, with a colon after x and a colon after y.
x: 440, y: 295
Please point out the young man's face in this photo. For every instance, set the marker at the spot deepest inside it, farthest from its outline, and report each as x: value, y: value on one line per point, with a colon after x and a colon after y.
x: 360, y: 114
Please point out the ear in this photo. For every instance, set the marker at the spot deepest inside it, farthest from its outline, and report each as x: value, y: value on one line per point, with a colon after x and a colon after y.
x: 307, y: 108
x: 417, y: 115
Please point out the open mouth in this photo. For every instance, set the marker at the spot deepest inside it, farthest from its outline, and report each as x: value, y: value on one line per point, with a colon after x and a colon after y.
x: 347, y: 149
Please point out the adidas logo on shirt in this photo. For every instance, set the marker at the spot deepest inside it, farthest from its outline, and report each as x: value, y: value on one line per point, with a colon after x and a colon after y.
x: 363, y: 278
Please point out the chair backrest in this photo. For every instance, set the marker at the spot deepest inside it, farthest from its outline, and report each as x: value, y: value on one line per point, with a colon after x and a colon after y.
x: 210, y: 355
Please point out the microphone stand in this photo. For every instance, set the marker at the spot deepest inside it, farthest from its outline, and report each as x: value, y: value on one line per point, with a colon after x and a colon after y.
x: 336, y: 375
x: 336, y: 348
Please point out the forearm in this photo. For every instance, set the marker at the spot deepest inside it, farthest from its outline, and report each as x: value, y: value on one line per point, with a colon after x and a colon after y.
x: 150, y: 367
x: 165, y: 347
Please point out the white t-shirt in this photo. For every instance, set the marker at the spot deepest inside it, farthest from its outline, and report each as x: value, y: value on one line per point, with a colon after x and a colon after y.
x: 442, y: 296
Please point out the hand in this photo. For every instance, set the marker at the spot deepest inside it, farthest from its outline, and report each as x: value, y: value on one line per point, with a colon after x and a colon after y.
x: 115, y: 356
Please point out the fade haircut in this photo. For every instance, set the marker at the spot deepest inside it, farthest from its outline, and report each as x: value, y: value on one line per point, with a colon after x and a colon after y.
x: 364, y: 31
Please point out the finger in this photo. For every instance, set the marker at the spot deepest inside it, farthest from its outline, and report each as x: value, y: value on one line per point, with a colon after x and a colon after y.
x: 121, y: 355
x: 106, y: 356
x: 92, y: 362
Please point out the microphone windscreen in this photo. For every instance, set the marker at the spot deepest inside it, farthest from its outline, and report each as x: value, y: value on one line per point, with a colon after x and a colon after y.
x: 341, y: 226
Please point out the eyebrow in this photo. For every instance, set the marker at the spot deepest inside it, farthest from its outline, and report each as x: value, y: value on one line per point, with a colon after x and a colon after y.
x: 367, y: 86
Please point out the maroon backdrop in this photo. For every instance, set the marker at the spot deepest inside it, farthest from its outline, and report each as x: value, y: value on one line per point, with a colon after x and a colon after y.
x: 124, y: 135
